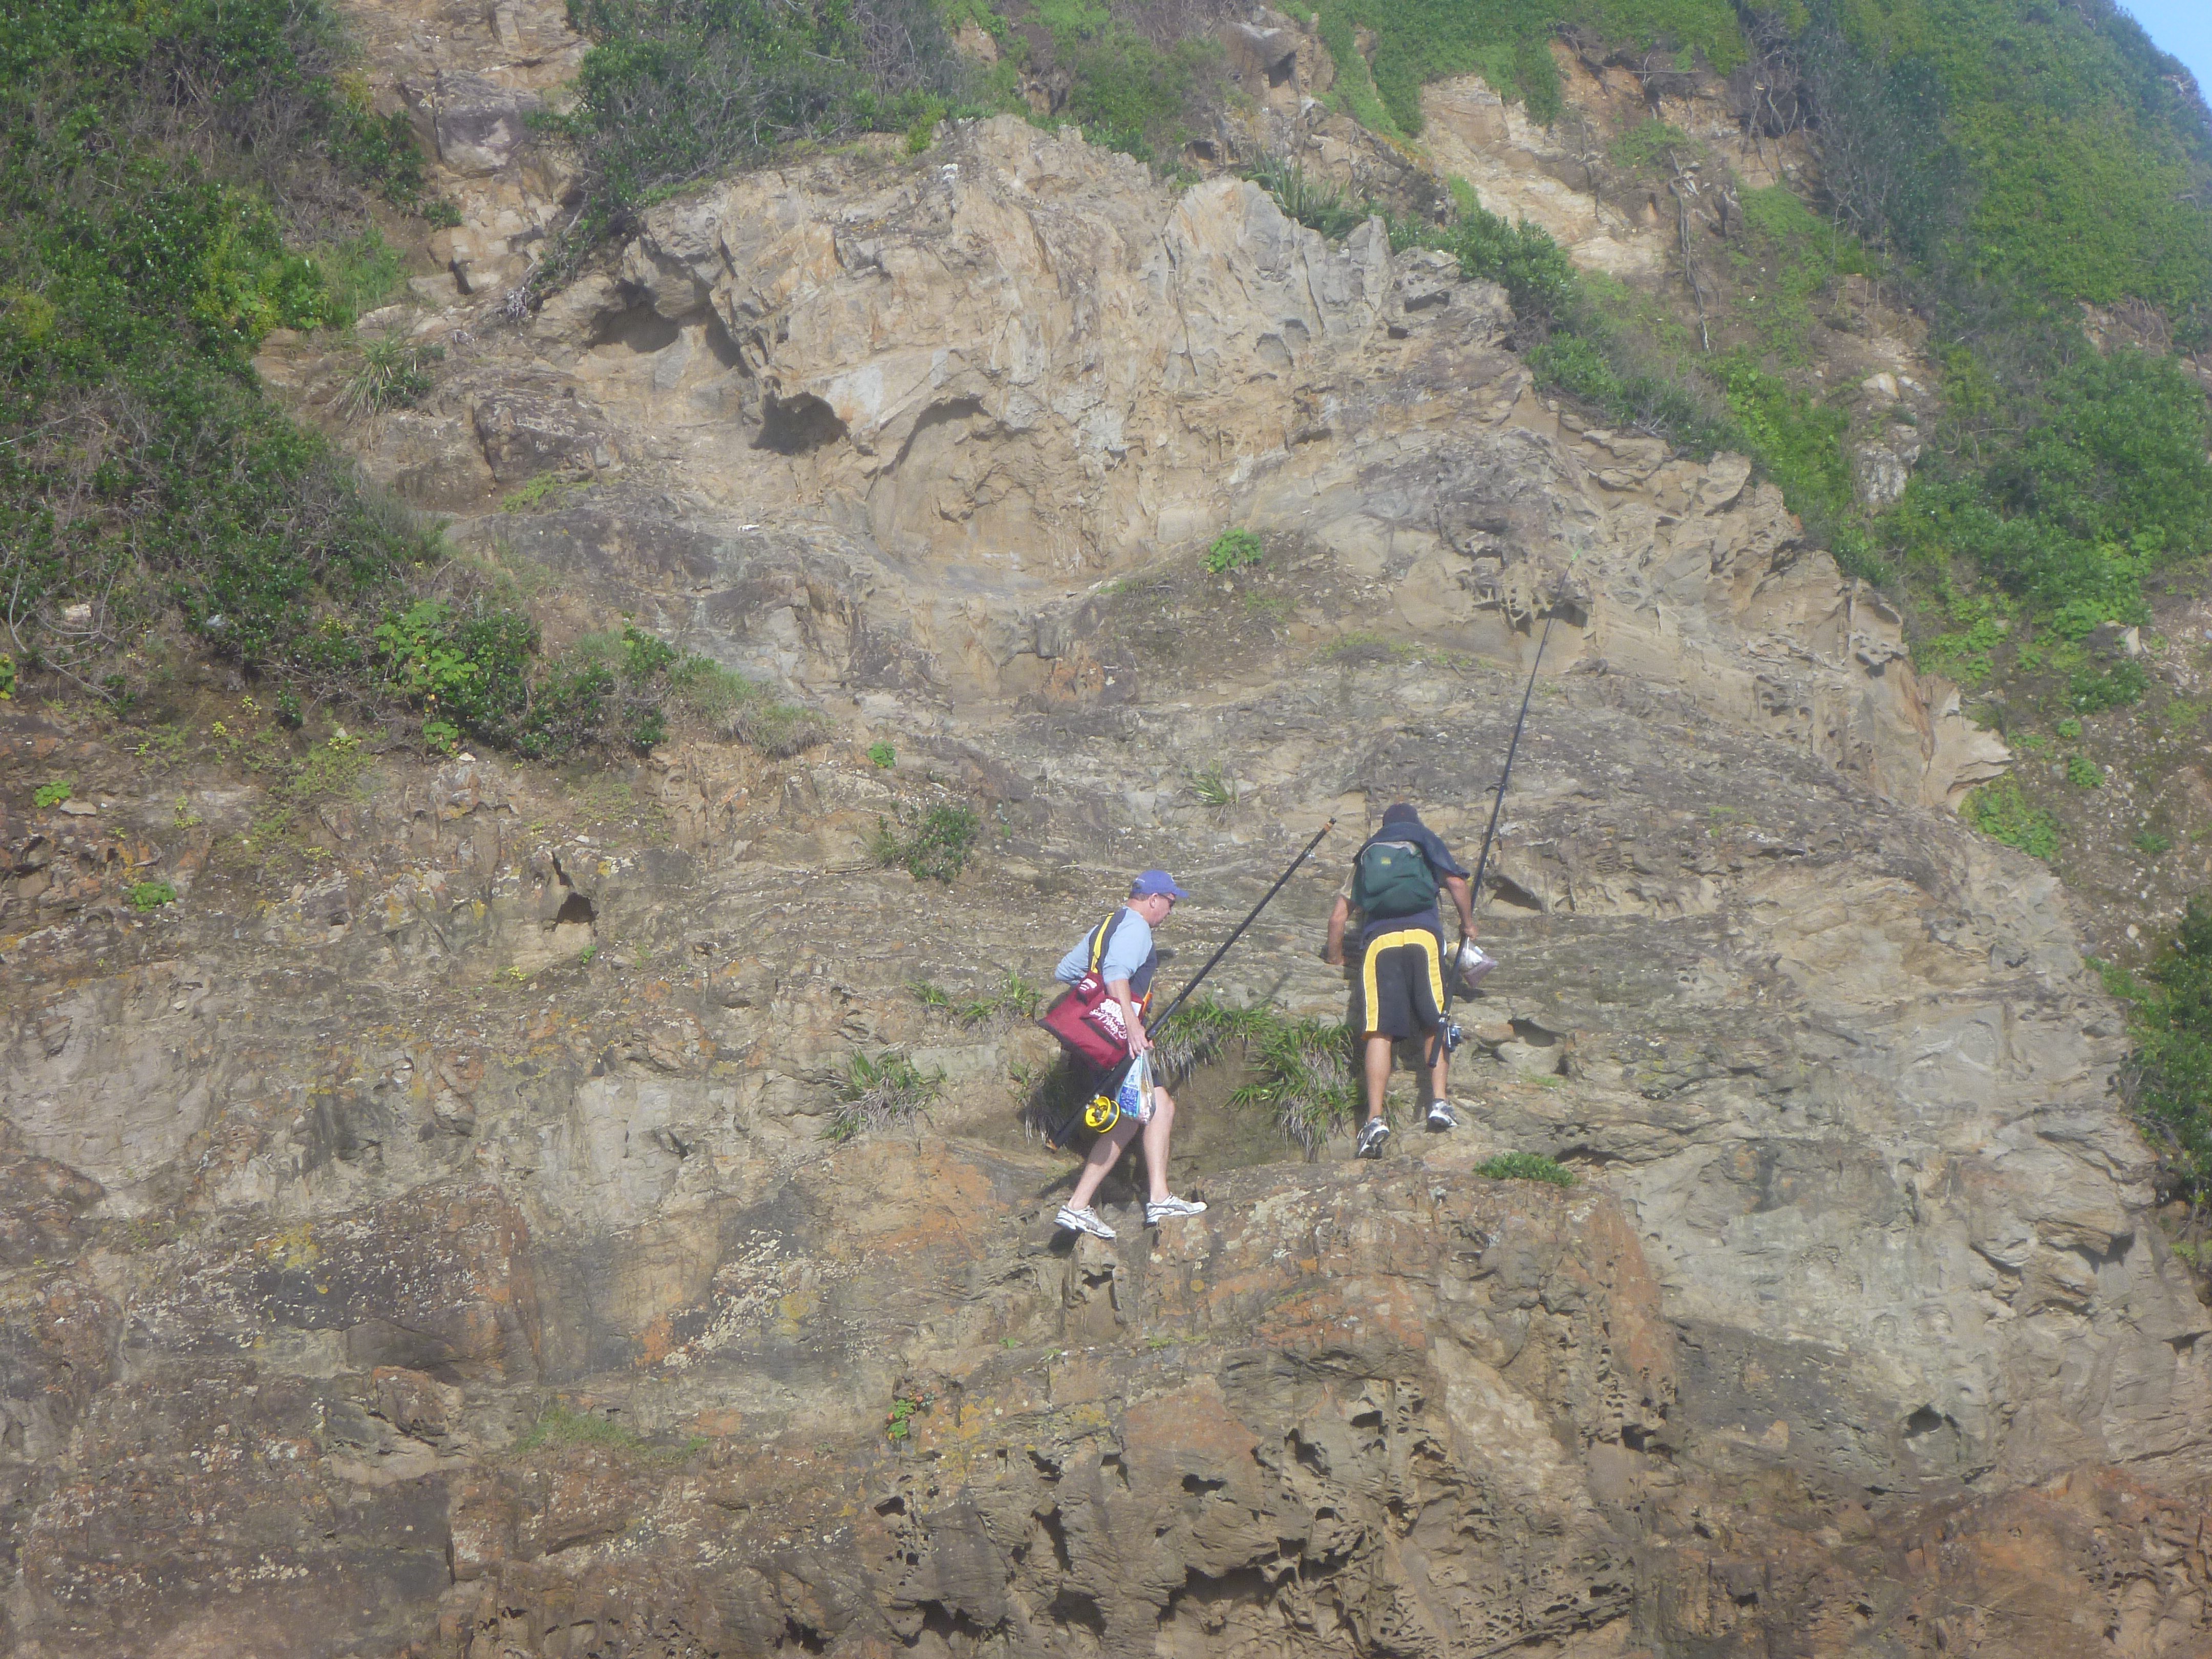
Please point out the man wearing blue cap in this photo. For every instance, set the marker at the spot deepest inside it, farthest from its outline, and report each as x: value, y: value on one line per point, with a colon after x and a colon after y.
x: 1126, y: 962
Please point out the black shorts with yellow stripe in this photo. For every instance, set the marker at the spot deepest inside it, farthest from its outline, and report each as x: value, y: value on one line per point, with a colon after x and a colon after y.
x: 1401, y: 984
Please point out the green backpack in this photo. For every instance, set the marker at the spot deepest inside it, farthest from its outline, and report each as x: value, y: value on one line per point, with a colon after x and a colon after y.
x: 1391, y: 879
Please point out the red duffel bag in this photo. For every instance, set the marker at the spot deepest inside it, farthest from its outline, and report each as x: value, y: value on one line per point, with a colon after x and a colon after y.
x: 1088, y: 1018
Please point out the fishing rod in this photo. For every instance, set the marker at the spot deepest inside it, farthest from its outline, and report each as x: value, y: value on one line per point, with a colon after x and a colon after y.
x: 1490, y: 834
x: 1212, y: 961
x: 1110, y: 1094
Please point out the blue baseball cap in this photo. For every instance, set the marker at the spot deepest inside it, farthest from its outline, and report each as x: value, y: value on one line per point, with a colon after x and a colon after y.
x: 1156, y: 881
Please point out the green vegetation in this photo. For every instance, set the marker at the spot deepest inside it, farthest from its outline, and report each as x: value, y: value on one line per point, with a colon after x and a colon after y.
x: 1316, y: 206
x: 1214, y: 787
x: 558, y: 1425
x: 898, y: 1422
x: 51, y: 794
x: 2083, y: 773
x: 548, y: 489
x: 1418, y: 40
x: 144, y: 896
x: 2015, y: 162
x: 155, y: 153
x: 886, y: 1092
x: 2000, y: 811
x: 931, y: 846
x: 2169, y: 1081
x: 394, y: 373
x: 672, y: 90
x: 1233, y: 549
x: 882, y: 755
x: 1304, y: 1074
x: 1013, y: 999
x: 1525, y: 1166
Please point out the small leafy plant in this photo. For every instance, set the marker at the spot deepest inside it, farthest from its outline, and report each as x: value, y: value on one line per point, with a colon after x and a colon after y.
x: 145, y: 896
x: 882, y: 755
x: 547, y: 489
x: 51, y: 794
x: 932, y: 847
x: 2002, y: 812
x: 1233, y: 549
x: 1525, y: 1166
x: 2083, y: 773
x: 898, y: 1422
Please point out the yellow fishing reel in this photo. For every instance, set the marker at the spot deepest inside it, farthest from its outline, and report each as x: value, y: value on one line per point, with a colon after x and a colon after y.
x: 1102, y: 1115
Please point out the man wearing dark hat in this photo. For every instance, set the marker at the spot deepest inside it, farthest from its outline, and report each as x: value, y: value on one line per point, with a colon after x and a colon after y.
x: 1126, y: 962
x: 1396, y: 877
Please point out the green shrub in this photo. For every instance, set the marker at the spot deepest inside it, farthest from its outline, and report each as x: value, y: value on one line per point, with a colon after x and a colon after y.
x: 672, y: 90
x: 2170, y: 1076
x: 882, y: 755
x: 51, y: 794
x: 2001, y: 811
x: 2092, y: 690
x: 1647, y: 146
x: 1233, y: 549
x: 931, y: 846
x: 361, y: 274
x: 2150, y: 844
x: 150, y: 157
x: 1133, y: 96
x: 782, y: 729
x: 2083, y: 773
x: 1419, y: 40
x: 1525, y: 1166
x: 145, y: 896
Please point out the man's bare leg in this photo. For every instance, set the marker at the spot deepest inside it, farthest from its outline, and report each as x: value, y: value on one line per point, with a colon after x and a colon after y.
x: 1156, y: 1144
x: 1378, y: 1074
x: 1105, y: 1152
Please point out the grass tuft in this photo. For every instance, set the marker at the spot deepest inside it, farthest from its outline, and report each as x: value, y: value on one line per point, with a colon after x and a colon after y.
x: 1525, y: 1166
x: 886, y: 1092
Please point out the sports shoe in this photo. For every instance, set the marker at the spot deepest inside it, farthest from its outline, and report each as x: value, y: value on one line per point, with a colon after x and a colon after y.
x: 1371, y: 1139
x: 1441, y: 1116
x: 1169, y: 1208
x: 1083, y: 1221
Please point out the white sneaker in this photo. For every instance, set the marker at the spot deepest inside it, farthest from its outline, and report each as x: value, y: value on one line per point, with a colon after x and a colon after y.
x: 1170, y: 1207
x: 1084, y: 1221
x: 1371, y: 1139
x: 1441, y: 1117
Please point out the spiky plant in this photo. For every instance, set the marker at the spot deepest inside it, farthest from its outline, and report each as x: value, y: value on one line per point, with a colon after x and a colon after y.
x: 882, y: 1092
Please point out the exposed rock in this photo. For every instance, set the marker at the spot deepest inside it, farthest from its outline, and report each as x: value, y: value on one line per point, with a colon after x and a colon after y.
x: 429, y: 1244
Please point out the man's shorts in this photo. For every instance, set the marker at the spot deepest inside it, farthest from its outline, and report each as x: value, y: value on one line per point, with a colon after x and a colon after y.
x: 1401, y: 984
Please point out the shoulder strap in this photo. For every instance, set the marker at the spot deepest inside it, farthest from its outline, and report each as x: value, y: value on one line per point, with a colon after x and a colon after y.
x: 1101, y: 934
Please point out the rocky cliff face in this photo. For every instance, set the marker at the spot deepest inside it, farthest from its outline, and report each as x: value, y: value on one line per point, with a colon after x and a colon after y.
x: 422, y: 1237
